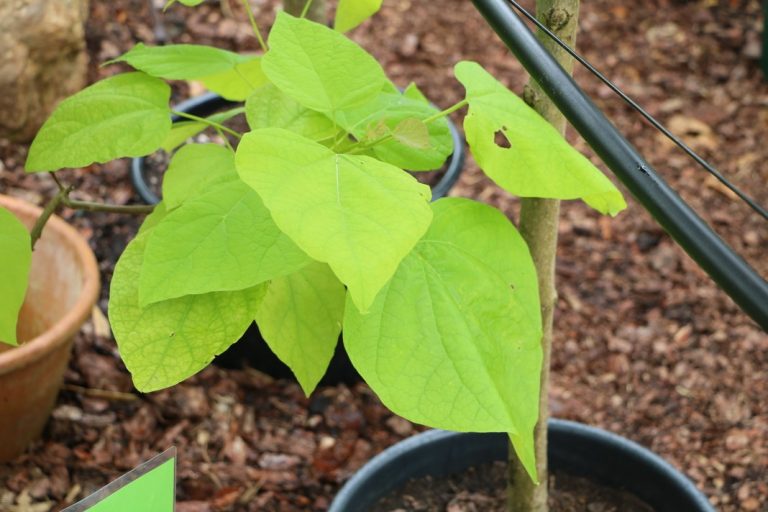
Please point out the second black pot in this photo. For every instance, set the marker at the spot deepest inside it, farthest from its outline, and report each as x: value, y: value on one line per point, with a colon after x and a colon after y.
x: 576, y: 449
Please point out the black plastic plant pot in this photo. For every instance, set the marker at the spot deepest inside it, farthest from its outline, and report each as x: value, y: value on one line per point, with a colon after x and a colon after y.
x: 210, y: 103
x: 574, y: 448
x: 251, y: 350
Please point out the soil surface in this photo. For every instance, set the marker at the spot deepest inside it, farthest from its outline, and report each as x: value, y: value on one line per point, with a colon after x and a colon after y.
x: 484, y: 488
x: 645, y: 346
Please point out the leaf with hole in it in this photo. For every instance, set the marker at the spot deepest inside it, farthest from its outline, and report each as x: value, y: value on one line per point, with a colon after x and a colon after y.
x: 180, y: 61
x: 123, y: 116
x: 193, y: 169
x: 15, y: 260
x: 164, y: 343
x: 453, y: 340
x: 300, y: 319
x: 359, y: 215
x: 319, y: 67
x: 238, y: 83
x: 269, y: 107
x: 221, y: 240
x: 351, y: 13
x: 183, y: 130
x: 383, y: 115
x: 529, y: 158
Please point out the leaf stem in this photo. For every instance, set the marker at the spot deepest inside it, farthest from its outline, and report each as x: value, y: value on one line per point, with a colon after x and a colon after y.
x: 213, y: 124
x: 62, y: 199
x: 131, y: 209
x: 305, y: 10
x: 53, y: 204
x: 450, y: 110
x: 254, y: 26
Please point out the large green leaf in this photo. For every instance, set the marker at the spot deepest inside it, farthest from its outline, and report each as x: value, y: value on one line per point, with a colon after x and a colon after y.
x: 351, y: 13
x: 319, y: 67
x: 221, y: 240
x: 123, y: 116
x: 193, y: 169
x: 300, y: 319
x: 269, y: 107
x: 535, y: 160
x: 359, y: 215
x: 180, y: 61
x: 237, y: 83
x: 165, y: 343
x: 453, y: 340
x: 15, y: 259
x: 384, y: 115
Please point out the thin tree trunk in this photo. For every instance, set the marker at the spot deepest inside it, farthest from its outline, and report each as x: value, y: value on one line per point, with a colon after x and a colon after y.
x: 538, y: 226
x: 317, y: 10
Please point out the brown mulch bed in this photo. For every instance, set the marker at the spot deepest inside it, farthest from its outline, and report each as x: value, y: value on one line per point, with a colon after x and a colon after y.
x: 646, y: 345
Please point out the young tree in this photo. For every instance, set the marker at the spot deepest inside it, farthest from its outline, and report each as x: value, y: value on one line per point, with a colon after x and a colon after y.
x: 538, y: 226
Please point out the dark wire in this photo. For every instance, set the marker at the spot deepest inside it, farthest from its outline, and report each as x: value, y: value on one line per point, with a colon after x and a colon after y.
x: 648, y: 117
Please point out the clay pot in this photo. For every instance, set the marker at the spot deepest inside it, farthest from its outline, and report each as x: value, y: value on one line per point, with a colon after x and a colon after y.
x: 64, y: 286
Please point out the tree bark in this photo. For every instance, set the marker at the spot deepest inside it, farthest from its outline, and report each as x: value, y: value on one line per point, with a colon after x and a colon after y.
x: 538, y: 226
x: 43, y: 60
x: 317, y: 11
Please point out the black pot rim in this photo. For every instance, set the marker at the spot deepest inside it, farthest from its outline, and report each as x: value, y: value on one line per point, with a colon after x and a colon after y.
x: 570, y: 444
x: 208, y: 103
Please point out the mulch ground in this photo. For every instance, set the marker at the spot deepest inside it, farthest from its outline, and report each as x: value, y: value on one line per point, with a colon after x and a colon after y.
x: 646, y: 345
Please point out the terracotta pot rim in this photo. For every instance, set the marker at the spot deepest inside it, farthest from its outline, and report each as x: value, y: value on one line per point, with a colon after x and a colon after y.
x: 67, y: 326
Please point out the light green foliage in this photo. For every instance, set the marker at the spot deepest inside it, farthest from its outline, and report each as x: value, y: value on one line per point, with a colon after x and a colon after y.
x: 15, y: 260
x: 320, y: 68
x: 359, y: 215
x: 221, y: 240
x: 300, y: 319
x: 238, y: 83
x: 351, y: 13
x: 452, y: 341
x: 539, y: 162
x: 268, y: 107
x: 383, y: 115
x: 183, y: 130
x: 165, y: 343
x: 123, y: 116
x: 180, y: 61
x: 412, y: 132
x: 193, y: 169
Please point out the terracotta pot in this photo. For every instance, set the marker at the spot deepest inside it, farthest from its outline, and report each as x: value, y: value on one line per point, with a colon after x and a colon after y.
x: 64, y: 286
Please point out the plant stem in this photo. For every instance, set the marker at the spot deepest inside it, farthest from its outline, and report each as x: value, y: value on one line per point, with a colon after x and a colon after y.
x: 538, y: 226
x: 130, y: 209
x: 444, y: 113
x: 314, y: 10
x: 305, y: 10
x: 214, y: 124
x: 53, y: 204
x: 62, y: 199
x: 255, y: 26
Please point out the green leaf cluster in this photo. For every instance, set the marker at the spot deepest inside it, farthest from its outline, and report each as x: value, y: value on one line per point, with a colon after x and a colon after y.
x: 311, y: 225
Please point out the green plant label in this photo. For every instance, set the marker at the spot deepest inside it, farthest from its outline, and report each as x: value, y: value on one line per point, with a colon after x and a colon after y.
x: 151, y: 487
